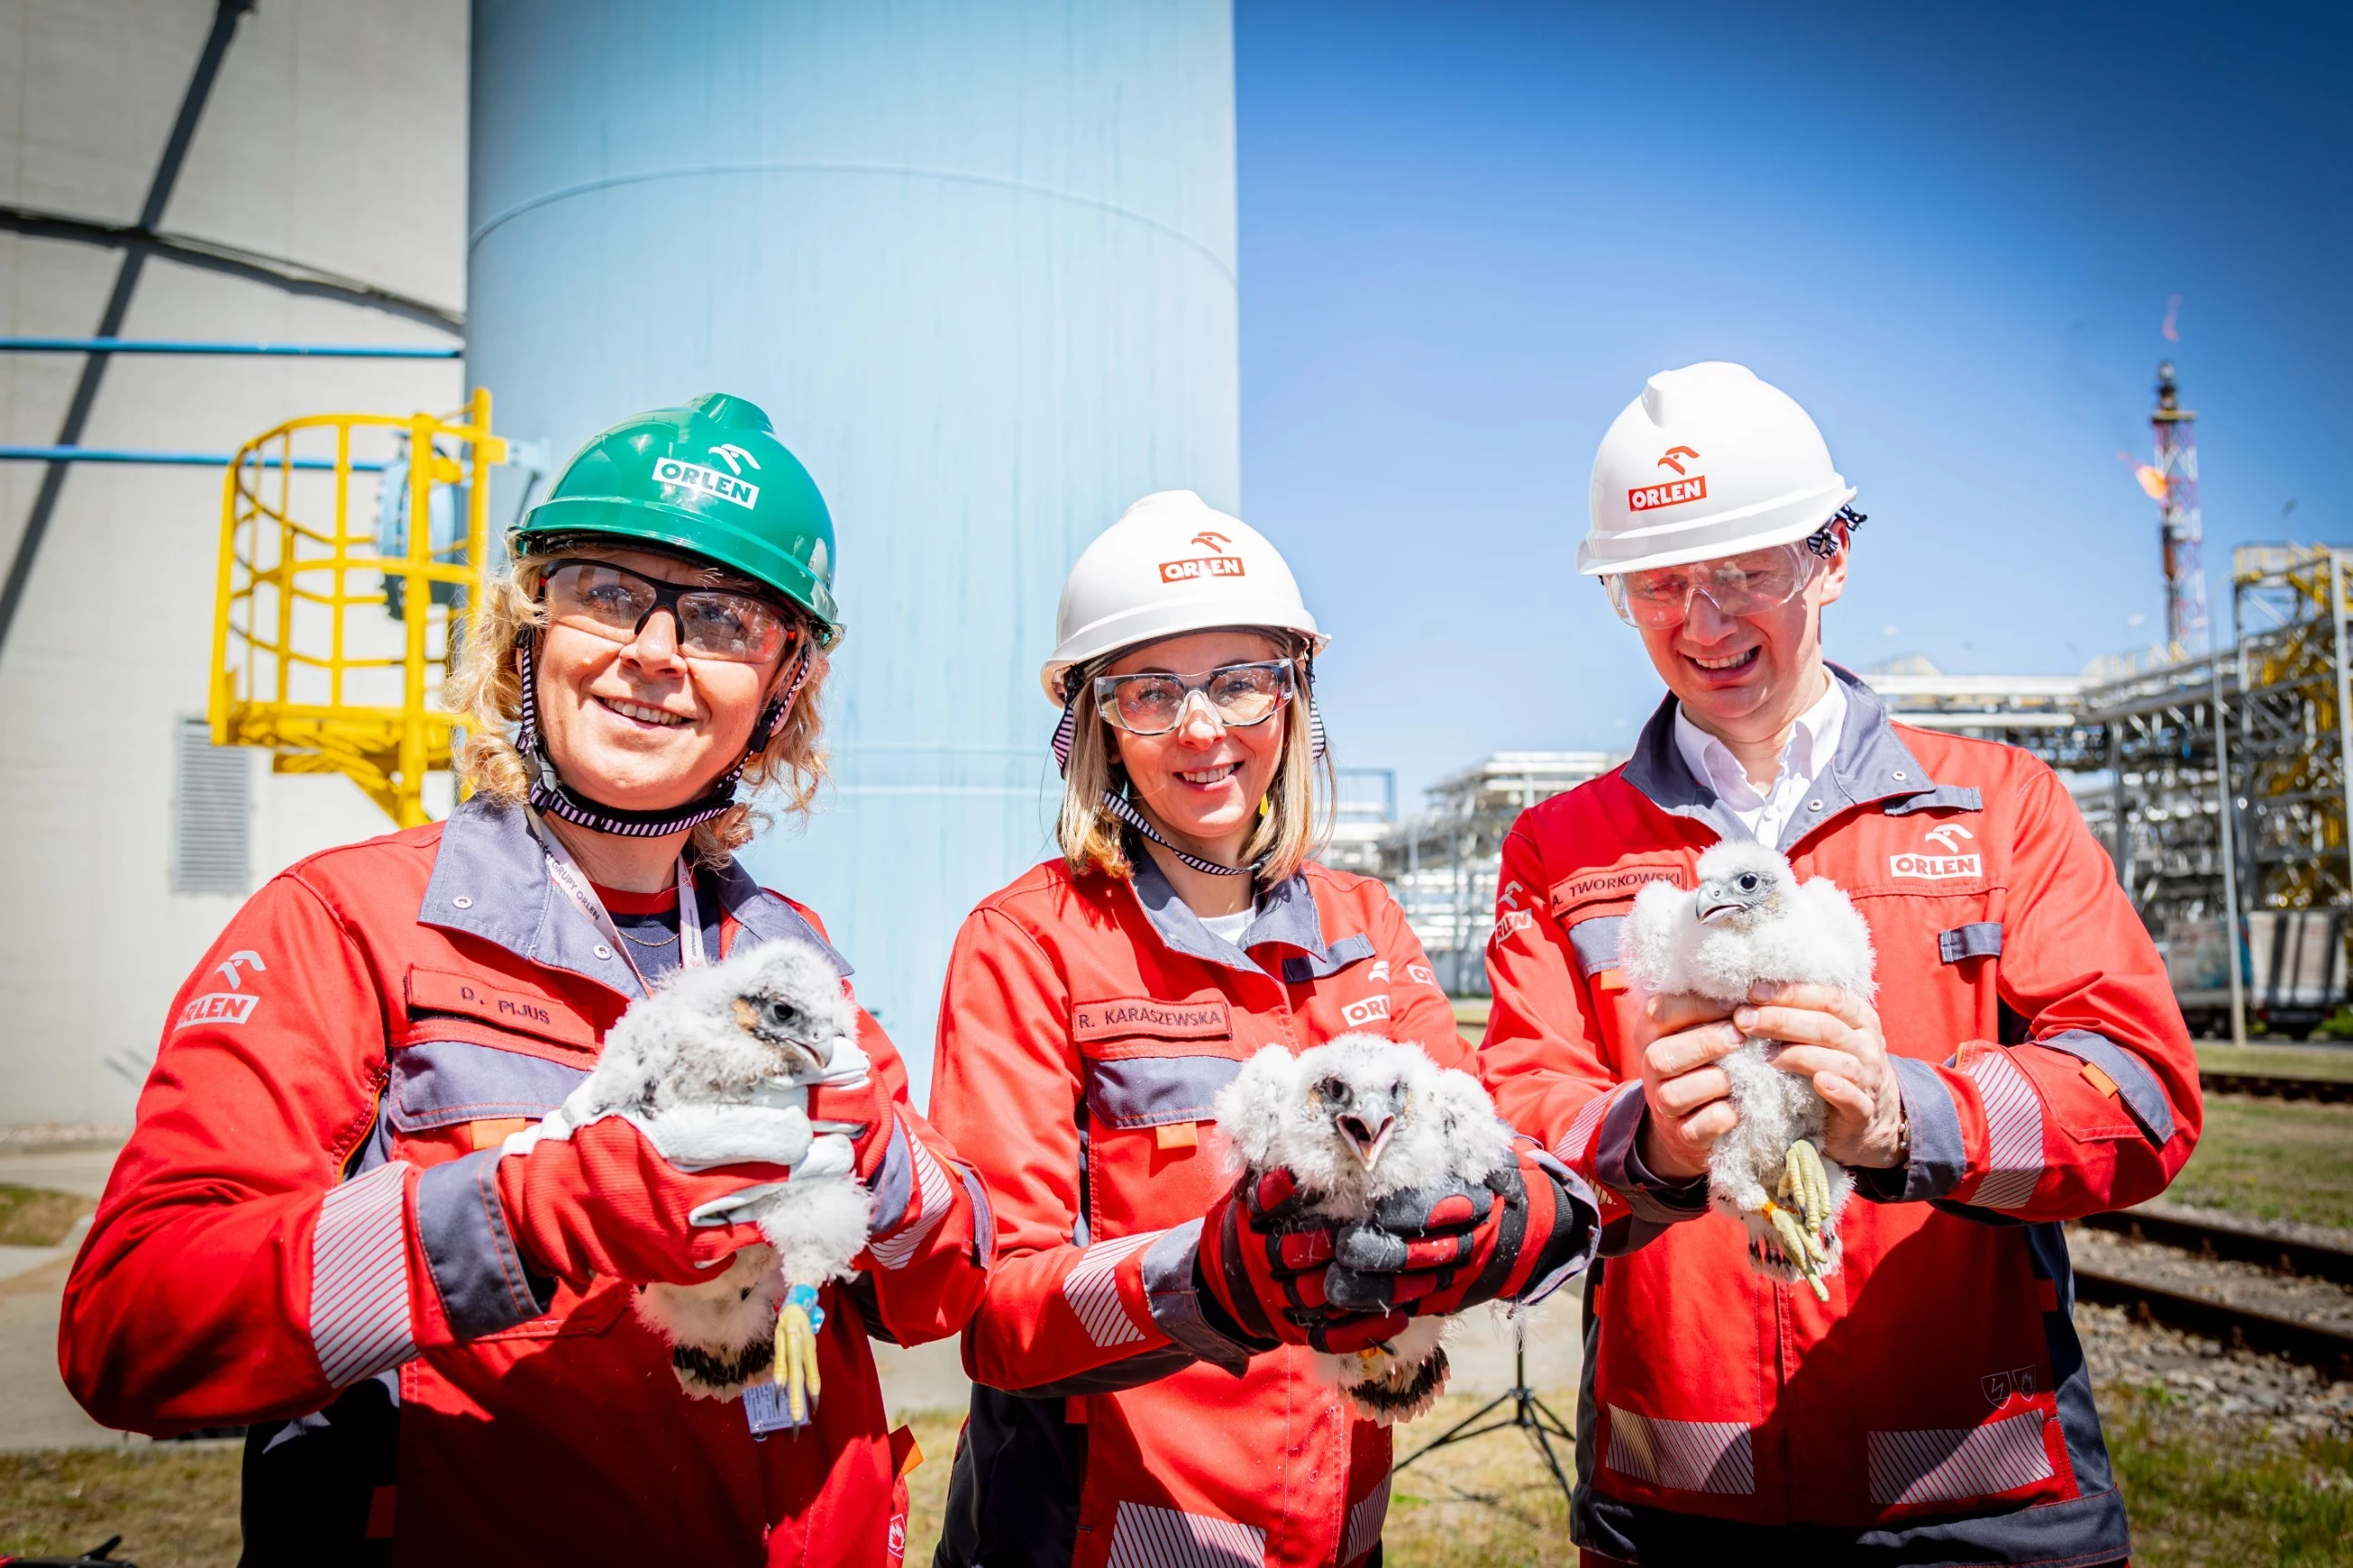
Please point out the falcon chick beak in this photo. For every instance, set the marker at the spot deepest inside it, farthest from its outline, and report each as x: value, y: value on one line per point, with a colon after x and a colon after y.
x: 1714, y: 912
x: 1367, y: 1140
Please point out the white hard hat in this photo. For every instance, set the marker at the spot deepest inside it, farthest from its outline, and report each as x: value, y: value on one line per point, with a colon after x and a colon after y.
x: 1172, y: 564
x: 1708, y: 461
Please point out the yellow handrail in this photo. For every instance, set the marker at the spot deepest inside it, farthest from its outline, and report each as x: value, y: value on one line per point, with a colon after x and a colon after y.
x: 292, y: 663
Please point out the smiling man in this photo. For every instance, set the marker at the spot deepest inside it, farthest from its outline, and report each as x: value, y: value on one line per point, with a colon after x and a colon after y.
x: 2025, y: 1063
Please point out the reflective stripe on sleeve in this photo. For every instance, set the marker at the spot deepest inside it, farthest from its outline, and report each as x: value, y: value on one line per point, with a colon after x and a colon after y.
x: 1686, y: 1455
x: 2013, y: 1113
x: 1579, y: 1137
x: 1950, y: 1465
x: 359, y: 1278
x: 932, y: 1187
x: 1091, y: 1288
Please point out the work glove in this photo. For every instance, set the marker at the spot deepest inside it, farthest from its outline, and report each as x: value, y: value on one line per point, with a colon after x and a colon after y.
x: 1442, y: 1249
x: 1262, y: 1264
x: 646, y: 1197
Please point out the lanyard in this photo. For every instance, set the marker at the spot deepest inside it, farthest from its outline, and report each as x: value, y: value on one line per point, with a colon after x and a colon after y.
x: 567, y: 877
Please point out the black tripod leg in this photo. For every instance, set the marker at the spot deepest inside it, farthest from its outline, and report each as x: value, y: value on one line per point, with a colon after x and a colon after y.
x: 1459, y: 1431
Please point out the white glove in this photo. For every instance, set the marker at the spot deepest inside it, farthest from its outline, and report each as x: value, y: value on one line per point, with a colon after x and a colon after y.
x: 691, y: 1137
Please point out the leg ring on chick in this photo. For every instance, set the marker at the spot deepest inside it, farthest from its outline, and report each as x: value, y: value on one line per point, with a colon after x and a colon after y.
x: 797, y: 1329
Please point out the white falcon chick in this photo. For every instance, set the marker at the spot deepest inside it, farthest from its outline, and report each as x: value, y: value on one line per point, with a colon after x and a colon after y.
x: 754, y: 1031
x: 1356, y: 1121
x: 1749, y: 919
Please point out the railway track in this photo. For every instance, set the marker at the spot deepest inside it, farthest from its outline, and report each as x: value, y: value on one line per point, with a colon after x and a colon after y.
x: 2325, y: 1346
x: 2265, y: 1085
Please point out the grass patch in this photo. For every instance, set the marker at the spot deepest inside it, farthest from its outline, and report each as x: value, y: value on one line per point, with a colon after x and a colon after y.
x: 2332, y: 1062
x: 175, y: 1504
x: 38, y: 1216
x: 2274, y: 1161
x: 2194, y: 1501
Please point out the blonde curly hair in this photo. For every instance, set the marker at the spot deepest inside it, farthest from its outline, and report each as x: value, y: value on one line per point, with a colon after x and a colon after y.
x: 486, y: 688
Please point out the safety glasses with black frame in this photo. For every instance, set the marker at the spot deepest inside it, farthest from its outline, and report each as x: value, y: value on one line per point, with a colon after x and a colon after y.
x: 615, y: 603
x: 1238, y: 695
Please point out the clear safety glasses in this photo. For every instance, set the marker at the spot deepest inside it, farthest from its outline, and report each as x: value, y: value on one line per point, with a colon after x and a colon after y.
x: 713, y: 623
x: 1738, y: 585
x: 1241, y: 695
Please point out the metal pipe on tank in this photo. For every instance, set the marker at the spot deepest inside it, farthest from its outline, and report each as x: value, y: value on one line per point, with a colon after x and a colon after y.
x: 977, y: 262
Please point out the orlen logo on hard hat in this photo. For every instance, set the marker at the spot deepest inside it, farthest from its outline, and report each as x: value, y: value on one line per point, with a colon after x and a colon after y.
x: 1672, y: 492
x: 1220, y: 564
x: 710, y: 481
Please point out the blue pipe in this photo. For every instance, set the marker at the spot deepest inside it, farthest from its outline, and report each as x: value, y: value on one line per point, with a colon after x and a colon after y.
x: 176, y: 346
x: 178, y: 460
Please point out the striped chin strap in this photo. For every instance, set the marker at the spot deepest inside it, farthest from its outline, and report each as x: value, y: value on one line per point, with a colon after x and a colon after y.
x: 1128, y: 812
x: 552, y: 798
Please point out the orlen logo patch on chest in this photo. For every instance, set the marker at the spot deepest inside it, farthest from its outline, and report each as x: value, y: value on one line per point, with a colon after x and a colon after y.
x: 1674, y: 492
x: 1936, y: 868
x: 1122, y: 1015
x: 710, y: 481
x: 219, y: 1007
x: 1202, y: 566
x: 1357, y: 1015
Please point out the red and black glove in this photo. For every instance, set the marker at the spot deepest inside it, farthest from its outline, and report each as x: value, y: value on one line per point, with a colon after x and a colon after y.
x: 1439, y: 1250
x: 1262, y: 1263
x: 602, y: 1200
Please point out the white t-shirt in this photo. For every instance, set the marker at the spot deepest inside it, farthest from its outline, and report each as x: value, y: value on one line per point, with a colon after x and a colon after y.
x: 1813, y: 742
x: 1230, y: 928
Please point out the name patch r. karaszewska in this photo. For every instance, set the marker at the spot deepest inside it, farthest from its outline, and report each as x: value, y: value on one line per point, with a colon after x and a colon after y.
x: 1121, y: 1016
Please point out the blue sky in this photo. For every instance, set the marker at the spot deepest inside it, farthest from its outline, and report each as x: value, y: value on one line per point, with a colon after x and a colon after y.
x: 1470, y: 231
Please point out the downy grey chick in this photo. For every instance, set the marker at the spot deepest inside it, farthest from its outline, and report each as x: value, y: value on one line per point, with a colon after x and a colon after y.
x: 1356, y: 1121
x: 1751, y: 919
x: 759, y: 1030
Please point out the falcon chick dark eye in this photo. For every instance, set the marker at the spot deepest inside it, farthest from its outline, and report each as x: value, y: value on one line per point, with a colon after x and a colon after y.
x: 1334, y: 1090
x: 1749, y: 881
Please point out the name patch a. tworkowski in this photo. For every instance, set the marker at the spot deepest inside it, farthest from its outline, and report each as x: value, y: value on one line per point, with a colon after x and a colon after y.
x: 1574, y: 893
x: 1121, y: 1016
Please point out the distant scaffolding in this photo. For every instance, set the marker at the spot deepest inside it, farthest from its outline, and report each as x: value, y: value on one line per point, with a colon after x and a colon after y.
x: 2181, y: 533
x: 1442, y: 864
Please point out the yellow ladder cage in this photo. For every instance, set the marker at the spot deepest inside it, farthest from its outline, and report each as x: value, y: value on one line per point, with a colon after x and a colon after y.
x: 334, y: 624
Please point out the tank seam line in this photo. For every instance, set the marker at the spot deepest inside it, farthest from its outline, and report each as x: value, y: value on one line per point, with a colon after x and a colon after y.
x: 587, y: 187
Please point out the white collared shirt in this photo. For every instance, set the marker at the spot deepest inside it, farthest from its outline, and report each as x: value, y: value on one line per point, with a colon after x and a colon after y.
x: 1813, y: 742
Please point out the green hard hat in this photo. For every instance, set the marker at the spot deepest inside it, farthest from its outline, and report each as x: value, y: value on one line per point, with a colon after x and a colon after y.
x: 710, y: 479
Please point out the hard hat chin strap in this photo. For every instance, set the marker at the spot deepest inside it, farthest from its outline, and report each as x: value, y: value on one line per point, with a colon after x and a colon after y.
x: 552, y: 798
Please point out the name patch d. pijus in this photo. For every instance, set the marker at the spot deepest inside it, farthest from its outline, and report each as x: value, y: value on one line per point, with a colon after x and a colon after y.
x: 1124, y: 1015
x: 433, y: 990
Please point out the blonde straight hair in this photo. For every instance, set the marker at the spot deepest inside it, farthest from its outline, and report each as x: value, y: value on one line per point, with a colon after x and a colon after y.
x: 1300, y: 799
x: 487, y: 689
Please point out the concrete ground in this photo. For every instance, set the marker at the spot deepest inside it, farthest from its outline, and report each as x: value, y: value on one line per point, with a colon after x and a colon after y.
x: 35, y: 1411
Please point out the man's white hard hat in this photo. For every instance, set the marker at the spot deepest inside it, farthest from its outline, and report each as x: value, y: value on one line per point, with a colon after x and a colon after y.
x: 1708, y: 461
x: 1170, y: 565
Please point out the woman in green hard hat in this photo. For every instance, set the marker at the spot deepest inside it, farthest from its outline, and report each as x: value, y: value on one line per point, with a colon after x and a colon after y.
x: 336, y: 1224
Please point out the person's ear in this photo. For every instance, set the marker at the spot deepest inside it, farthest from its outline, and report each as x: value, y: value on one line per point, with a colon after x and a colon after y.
x: 1831, y: 578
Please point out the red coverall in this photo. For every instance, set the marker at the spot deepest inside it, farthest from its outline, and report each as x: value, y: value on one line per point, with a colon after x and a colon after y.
x: 305, y: 1210
x: 1939, y: 1400
x: 1087, y: 1027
